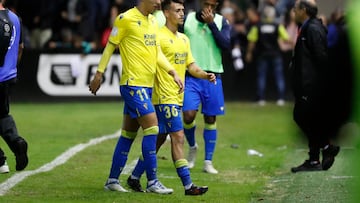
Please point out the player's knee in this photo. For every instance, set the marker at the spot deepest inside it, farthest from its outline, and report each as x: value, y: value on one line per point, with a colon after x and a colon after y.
x: 210, y: 119
x: 189, y: 117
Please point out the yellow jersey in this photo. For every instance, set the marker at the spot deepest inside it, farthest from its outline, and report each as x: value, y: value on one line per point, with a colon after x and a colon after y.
x: 176, y: 48
x: 135, y: 34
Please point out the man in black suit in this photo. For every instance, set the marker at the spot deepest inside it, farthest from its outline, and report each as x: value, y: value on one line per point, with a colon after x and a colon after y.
x: 312, y: 80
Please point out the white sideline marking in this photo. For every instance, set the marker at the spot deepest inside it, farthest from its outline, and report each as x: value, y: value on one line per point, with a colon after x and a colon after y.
x: 342, y: 177
x: 61, y: 159
x: 280, y: 180
x: 129, y: 167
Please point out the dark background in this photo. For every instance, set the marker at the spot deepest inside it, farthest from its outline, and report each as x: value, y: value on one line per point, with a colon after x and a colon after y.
x: 238, y: 85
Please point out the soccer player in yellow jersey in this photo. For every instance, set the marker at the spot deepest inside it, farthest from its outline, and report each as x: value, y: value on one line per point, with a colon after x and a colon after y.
x: 168, y: 101
x: 135, y: 32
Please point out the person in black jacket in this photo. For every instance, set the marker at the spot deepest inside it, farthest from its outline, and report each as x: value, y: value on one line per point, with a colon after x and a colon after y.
x: 11, y: 46
x: 312, y: 80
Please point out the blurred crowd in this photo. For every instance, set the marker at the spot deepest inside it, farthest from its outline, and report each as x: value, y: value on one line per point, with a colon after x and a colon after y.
x: 67, y: 24
x: 83, y: 26
x: 87, y: 23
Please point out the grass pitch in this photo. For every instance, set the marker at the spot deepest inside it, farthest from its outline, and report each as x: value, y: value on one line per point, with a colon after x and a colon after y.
x: 51, y: 129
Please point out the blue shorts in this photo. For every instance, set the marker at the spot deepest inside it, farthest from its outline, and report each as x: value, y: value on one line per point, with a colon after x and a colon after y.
x: 202, y: 91
x: 137, y: 100
x: 169, y: 118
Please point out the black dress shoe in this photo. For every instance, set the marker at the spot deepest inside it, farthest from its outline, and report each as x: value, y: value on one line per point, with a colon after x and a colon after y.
x: 21, y: 156
x: 329, y: 156
x: 307, y: 166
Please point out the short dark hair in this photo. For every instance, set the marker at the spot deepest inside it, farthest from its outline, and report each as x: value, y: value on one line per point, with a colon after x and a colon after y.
x: 311, y: 9
x: 165, y: 5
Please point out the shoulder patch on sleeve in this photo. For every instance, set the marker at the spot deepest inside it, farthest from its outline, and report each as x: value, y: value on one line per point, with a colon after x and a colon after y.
x: 114, y: 31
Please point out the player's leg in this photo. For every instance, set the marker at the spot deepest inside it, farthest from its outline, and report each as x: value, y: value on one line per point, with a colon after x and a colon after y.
x: 122, y: 148
x: 134, y: 180
x: 181, y: 164
x: 164, y: 114
x: 148, y: 122
x: 133, y: 108
x: 190, y: 126
x: 147, y: 161
x: 170, y: 117
x: 151, y: 130
x: 192, y: 99
x: 189, y: 130
x: 210, y: 139
x: 212, y: 105
x: 128, y: 134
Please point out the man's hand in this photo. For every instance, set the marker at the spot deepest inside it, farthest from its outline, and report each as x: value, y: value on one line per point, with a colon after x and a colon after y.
x: 211, y: 77
x: 177, y: 80
x: 95, y: 83
x: 207, y: 15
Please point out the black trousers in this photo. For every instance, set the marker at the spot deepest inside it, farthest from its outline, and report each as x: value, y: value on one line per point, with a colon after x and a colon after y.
x: 5, y: 91
x: 316, y: 118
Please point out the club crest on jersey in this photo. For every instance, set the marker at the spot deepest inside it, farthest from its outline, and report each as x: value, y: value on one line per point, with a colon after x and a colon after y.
x: 139, y: 22
x: 121, y: 17
x: 171, y: 41
x: 7, y: 27
x: 7, y: 30
x: 145, y: 105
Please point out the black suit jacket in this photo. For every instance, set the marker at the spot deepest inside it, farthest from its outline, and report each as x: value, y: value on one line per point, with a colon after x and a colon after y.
x: 311, y: 76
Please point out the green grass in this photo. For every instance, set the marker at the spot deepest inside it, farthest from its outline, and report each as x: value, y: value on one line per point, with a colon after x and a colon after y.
x: 51, y: 129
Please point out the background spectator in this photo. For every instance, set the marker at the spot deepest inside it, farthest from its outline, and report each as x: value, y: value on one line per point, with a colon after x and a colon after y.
x: 263, y: 43
x: 42, y: 21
